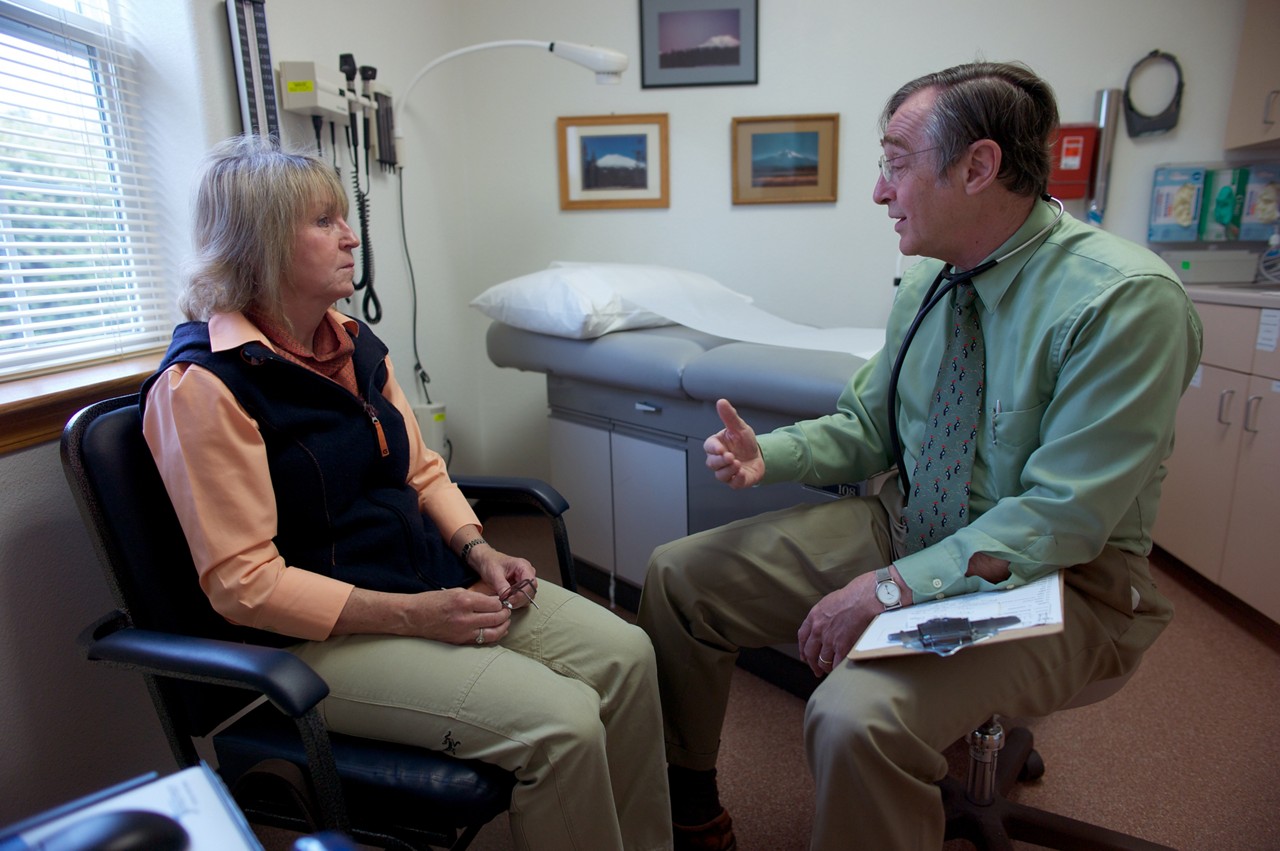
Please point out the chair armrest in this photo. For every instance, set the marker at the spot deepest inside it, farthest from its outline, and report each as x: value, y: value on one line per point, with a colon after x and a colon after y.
x: 506, y: 492
x: 518, y: 489
x: 288, y: 682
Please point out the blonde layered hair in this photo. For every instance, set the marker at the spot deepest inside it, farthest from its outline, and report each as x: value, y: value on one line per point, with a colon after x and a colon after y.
x: 249, y: 201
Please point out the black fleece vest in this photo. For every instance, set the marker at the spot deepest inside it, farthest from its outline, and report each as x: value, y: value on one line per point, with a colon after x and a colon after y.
x: 344, y: 507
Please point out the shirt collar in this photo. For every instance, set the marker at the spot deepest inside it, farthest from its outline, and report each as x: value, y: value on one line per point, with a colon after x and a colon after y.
x: 994, y: 283
x: 233, y: 330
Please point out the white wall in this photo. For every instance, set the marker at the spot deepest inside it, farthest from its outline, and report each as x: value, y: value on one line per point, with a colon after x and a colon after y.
x: 481, y: 206
x: 480, y: 160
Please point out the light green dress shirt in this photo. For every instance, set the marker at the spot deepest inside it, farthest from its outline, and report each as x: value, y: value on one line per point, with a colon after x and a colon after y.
x: 1090, y: 342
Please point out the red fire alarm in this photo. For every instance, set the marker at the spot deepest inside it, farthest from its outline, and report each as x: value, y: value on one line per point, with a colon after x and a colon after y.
x: 1073, y: 160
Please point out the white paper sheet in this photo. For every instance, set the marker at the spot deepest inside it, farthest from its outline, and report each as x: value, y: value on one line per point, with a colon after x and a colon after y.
x: 732, y: 318
x: 737, y: 320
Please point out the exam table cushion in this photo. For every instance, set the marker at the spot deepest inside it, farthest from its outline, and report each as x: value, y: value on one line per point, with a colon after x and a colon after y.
x: 651, y: 359
x: 799, y: 382
x: 682, y: 363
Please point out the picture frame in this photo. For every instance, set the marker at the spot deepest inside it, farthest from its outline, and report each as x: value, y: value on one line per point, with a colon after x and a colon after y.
x: 610, y: 162
x: 699, y: 43
x: 786, y: 159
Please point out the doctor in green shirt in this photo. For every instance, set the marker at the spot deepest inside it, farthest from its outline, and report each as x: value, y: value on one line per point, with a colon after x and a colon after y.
x: 1080, y: 344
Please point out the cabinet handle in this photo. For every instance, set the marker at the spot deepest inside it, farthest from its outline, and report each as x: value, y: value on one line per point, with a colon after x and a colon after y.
x: 1251, y: 409
x: 1224, y: 399
x: 1267, y: 120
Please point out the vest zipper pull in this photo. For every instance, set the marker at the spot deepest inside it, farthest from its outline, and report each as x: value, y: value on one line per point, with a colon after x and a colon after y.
x: 377, y: 427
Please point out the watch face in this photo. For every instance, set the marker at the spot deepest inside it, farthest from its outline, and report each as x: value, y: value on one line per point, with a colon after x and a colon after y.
x: 888, y: 592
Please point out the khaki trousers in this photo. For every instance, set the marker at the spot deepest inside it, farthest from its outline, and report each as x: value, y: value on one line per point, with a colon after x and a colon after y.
x: 568, y: 701
x: 874, y: 731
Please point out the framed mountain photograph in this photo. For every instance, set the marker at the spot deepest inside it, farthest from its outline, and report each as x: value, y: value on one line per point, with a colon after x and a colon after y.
x: 698, y: 43
x: 613, y: 161
x: 785, y: 159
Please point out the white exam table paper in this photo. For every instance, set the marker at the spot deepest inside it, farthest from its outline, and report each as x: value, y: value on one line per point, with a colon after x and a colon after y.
x: 736, y: 318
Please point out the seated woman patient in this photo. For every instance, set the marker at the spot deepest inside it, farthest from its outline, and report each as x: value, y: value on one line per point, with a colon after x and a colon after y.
x: 316, y: 515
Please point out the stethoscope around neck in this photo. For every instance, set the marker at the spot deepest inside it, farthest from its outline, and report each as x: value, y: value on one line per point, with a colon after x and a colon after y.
x: 941, y: 287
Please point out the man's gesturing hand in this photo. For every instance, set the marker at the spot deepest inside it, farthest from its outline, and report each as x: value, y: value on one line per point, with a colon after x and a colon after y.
x: 732, y: 453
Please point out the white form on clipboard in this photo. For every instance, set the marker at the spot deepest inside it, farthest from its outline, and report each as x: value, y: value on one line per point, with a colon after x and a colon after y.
x: 984, y: 618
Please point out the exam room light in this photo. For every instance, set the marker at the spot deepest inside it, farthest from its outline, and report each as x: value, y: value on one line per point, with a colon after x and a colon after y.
x: 608, y: 64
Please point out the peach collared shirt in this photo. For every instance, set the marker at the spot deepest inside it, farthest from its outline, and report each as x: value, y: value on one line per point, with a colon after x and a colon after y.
x: 214, y: 465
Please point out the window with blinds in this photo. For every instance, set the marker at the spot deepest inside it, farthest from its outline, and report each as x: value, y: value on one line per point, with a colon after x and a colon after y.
x: 80, y: 274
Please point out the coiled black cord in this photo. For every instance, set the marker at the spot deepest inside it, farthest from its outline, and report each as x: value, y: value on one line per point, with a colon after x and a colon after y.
x: 371, y: 304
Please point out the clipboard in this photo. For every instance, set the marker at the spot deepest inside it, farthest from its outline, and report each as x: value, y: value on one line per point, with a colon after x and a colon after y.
x: 947, y: 626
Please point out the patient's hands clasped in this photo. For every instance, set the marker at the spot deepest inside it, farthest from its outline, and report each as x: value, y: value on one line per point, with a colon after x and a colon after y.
x: 732, y: 453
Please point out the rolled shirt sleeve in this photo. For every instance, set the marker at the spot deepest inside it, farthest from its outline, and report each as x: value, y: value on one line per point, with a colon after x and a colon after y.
x: 214, y: 465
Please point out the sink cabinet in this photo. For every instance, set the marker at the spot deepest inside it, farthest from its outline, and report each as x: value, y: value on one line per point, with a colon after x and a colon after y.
x: 1221, y: 499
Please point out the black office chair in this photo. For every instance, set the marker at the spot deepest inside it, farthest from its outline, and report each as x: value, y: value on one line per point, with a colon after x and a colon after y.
x: 200, y: 672
x: 979, y: 811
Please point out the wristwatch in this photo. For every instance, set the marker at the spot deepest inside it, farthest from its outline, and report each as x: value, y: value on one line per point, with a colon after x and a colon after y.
x: 887, y: 591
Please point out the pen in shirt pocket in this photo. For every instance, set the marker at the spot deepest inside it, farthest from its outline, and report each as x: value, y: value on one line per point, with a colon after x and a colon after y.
x: 995, y: 413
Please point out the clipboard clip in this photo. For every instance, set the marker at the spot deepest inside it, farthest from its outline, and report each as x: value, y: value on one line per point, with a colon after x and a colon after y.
x: 945, y: 636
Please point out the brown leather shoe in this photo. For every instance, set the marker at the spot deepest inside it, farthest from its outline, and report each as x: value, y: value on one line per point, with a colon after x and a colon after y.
x: 715, y: 835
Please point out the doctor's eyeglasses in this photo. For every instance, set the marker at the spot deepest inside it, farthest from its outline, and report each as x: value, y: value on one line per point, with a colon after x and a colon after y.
x: 889, y: 171
x: 522, y: 587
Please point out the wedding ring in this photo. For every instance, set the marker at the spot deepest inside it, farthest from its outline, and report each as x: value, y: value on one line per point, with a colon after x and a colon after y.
x: 822, y: 661
x: 480, y: 636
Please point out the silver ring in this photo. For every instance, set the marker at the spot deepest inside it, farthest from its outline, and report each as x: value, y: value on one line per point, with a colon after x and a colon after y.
x: 480, y: 636
x: 822, y: 661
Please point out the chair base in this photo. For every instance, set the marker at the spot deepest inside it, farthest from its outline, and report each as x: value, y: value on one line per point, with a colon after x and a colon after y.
x: 994, y: 826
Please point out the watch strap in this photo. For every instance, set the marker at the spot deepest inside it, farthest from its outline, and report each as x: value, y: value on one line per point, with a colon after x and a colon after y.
x: 468, y: 547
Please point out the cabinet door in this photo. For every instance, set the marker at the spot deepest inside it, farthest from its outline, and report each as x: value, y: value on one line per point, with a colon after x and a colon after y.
x: 1230, y: 335
x: 650, y: 502
x: 581, y: 471
x: 1266, y: 348
x: 1251, y: 568
x: 1254, y: 116
x: 1195, y: 503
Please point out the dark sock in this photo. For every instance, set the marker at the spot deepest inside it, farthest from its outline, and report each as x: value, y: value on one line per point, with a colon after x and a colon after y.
x: 695, y: 799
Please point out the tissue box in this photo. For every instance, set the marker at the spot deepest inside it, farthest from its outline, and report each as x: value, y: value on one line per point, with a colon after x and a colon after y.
x: 1176, y: 197
x: 1261, y: 210
x: 1223, y: 203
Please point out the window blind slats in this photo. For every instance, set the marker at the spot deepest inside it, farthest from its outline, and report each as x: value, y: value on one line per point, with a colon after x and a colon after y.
x: 61, y: 331
x: 54, y: 213
x: 81, y: 276
x: 85, y: 276
x: 15, y: 336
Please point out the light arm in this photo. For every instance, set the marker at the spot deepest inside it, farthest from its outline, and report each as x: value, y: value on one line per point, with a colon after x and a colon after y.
x: 608, y: 64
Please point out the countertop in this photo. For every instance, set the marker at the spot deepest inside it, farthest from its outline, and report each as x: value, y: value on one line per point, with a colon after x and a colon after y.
x: 1241, y: 295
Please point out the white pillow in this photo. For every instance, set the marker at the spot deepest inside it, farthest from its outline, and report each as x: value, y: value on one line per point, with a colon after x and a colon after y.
x: 587, y: 300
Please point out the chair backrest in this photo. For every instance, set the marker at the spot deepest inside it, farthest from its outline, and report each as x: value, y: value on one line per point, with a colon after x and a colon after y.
x: 143, y: 551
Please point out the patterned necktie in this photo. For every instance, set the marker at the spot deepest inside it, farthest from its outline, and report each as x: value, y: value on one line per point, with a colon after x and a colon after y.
x: 938, y: 503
